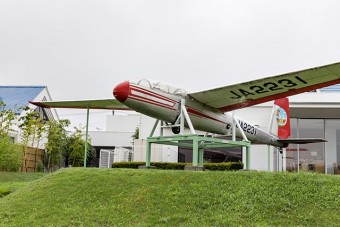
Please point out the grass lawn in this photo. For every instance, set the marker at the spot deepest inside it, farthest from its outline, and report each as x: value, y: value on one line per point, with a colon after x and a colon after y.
x: 124, y: 197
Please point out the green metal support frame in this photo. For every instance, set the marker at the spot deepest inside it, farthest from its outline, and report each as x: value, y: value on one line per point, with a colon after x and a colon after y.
x: 268, y: 158
x: 198, y: 145
x: 86, y: 135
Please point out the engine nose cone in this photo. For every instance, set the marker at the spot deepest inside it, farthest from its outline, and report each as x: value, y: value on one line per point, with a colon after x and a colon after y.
x: 121, y: 91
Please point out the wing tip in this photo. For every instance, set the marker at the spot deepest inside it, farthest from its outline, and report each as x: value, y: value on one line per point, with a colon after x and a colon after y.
x: 40, y: 104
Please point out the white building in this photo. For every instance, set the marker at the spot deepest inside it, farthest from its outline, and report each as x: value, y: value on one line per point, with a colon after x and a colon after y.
x: 313, y: 115
x: 116, y: 139
x: 17, y: 97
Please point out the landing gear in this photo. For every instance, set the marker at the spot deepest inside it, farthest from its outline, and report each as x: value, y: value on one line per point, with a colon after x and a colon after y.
x: 281, y: 152
x: 176, y: 129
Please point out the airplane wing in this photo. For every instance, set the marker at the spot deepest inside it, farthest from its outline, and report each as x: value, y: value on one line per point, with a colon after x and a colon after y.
x: 267, y: 89
x: 109, y: 104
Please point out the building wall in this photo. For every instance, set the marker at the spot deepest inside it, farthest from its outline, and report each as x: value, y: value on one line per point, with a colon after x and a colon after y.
x: 16, y: 133
x: 331, y: 135
x: 109, y: 139
x: 159, y: 153
x: 261, y: 116
x: 122, y: 123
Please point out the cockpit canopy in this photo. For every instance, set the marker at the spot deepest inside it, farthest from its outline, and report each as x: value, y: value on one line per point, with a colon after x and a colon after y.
x: 160, y: 86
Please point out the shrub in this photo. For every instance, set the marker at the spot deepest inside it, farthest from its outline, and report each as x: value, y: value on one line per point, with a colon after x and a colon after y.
x: 127, y: 165
x: 39, y: 167
x: 225, y: 166
x: 4, y: 192
x: 10, y: 154
x: 169, y: 165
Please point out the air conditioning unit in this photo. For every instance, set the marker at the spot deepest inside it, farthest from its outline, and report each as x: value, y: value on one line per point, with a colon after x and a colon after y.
x: 106, y: 158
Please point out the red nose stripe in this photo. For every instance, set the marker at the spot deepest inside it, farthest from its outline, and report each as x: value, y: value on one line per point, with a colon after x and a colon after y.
x: 121, y: 91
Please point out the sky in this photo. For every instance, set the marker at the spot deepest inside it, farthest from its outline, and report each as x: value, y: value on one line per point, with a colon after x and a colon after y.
x: 81, y: 49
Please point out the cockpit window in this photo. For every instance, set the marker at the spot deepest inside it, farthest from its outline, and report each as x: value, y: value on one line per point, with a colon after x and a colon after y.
x: 160, y: 86
x: 144, y: 83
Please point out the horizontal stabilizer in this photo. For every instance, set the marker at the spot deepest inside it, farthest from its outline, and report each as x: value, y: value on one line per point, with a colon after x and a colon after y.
x: 301, y: 140
x: 106, y: 104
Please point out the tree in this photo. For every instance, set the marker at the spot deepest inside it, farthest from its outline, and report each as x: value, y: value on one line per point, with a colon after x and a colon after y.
x: 59, y: 146
x: 7, y: 117
x: 56, y: 144
x: 74, y: 155
x: 32, y: 126
x: 136, y: 133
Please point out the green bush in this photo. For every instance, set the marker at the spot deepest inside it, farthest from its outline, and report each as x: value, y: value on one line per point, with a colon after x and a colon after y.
x: 127, y: 165
x: 169, y: 165
x: 225, y: 166
x: 4, y: 192
x: 10, y: 154
x: 39, y: 167
x: 158, y: 165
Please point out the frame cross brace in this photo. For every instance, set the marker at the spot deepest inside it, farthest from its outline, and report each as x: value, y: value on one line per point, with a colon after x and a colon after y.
x: 197, y: 143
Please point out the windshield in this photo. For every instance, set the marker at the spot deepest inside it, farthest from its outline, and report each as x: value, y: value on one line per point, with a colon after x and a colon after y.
x: 161, y: 86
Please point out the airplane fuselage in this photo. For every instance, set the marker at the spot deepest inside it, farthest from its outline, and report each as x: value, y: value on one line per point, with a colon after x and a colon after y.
x: 165, y: 105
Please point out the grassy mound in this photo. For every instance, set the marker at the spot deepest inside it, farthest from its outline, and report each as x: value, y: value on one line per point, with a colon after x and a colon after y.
x: 123, y: 197
x: 11, y: 181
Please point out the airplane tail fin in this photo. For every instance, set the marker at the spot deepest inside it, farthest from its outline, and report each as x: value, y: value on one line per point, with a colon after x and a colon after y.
x: 282, y: 116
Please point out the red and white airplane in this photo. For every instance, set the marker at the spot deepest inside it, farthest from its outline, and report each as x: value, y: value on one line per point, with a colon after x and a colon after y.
x: 209, y: 110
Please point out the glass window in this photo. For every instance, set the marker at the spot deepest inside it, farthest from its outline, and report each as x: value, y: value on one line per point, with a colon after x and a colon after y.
x: 291, y: 151
x: 161, y: 86
x: 332, y: 135
x: 307, y: 157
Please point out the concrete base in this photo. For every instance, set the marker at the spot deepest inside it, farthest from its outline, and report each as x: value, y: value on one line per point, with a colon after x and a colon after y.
x: 147, y: 167
x: 194, y: 168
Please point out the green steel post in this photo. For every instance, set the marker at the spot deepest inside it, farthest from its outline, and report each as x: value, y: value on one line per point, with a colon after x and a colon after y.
x: 268, y: 158
x: 86, y: 135
x: 201, y: 156
x: 248, y: 157
x: 148, y: 153
x: 194, y: 152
